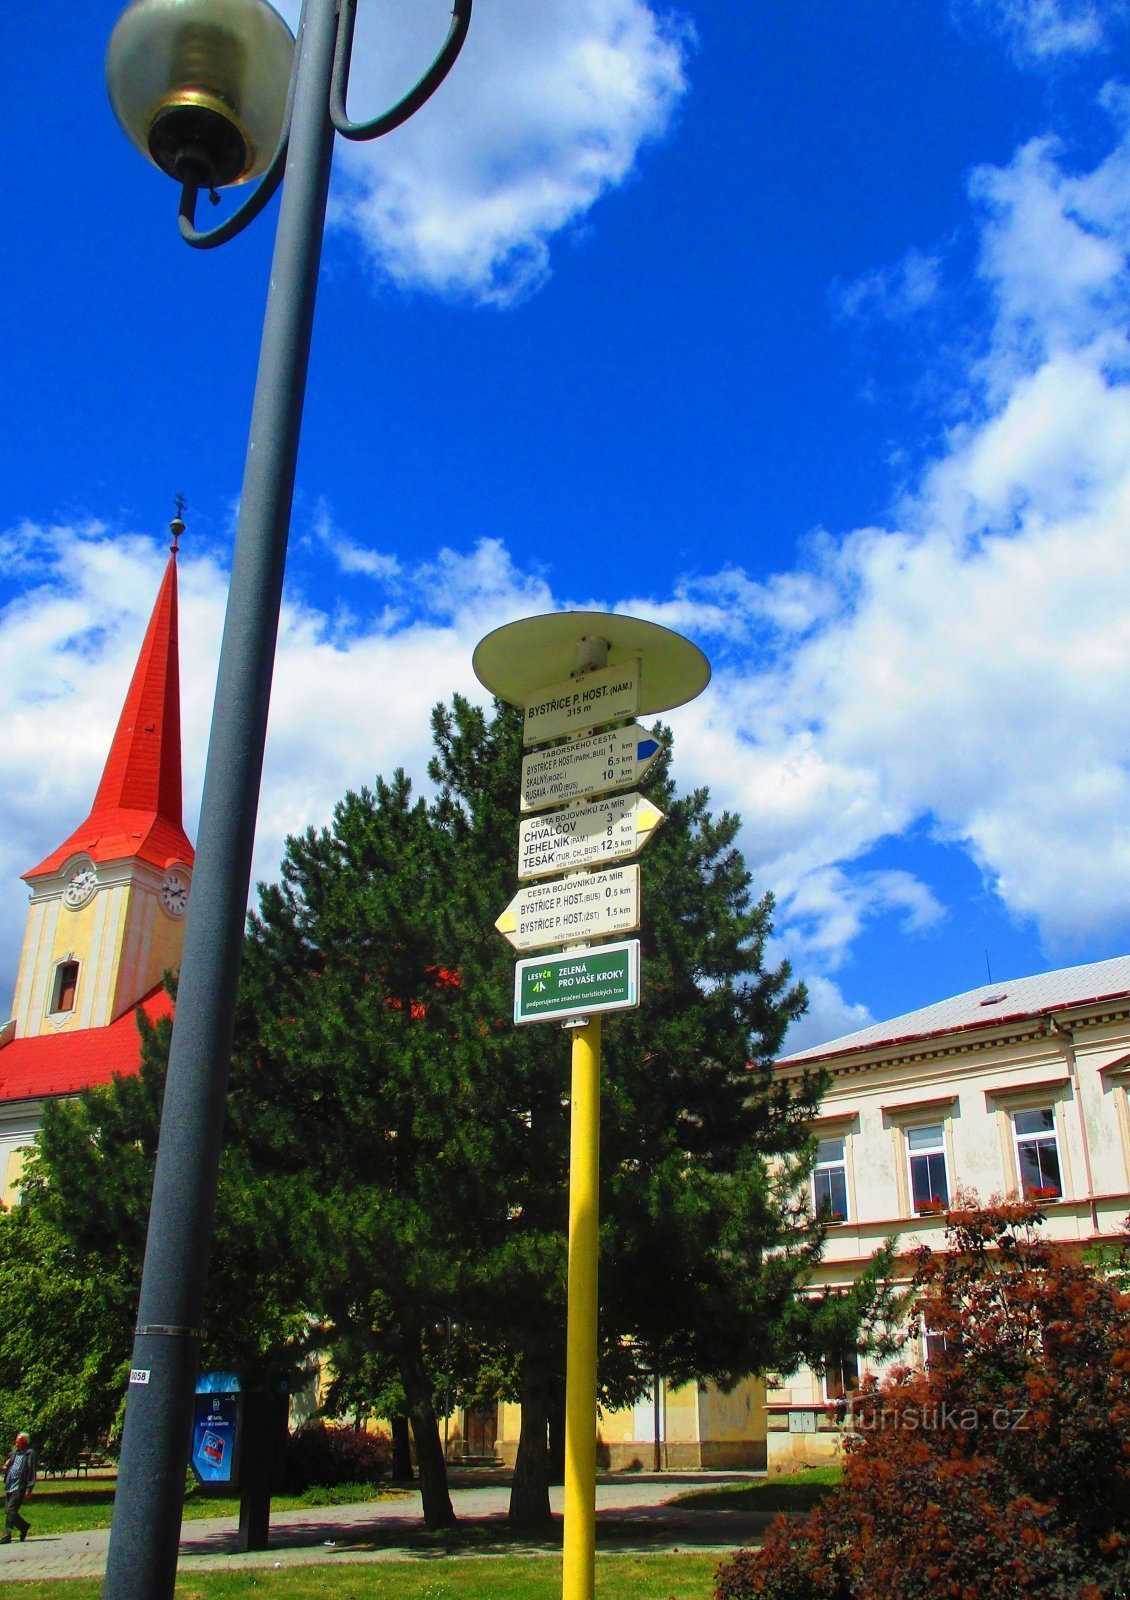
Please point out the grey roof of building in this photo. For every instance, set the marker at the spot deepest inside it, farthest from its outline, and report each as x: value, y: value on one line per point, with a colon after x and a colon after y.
x: 993, y: 1002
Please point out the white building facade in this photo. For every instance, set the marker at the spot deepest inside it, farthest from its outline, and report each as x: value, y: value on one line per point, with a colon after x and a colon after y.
x: 1013, y: 1088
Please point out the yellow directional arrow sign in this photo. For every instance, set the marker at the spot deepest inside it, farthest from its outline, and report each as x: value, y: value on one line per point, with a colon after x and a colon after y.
x: 581, y: 836
x: 584, y: 907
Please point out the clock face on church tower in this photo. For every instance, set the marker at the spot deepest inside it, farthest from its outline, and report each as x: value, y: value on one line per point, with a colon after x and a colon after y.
x: 174, y: 893
x: 80, y: 886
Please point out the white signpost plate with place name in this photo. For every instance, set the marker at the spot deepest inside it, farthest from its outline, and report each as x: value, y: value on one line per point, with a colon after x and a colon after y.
x: 585, y: 907
x: 581, y: 836
x: 600, y: 764
x: 582, y: 703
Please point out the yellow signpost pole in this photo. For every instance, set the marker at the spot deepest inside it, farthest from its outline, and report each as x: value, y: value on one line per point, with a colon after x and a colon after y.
x: 575, y: 671
x: 579, y: 1575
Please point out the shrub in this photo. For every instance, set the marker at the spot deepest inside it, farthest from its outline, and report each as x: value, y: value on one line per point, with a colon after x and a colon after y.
x: 323, y: 1456
x: 1002, y: 1470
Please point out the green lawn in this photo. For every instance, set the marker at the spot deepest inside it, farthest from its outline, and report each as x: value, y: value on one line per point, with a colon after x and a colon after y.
x: 793, y: 1491
x: 68, y: 1505
x: 667, y: 1576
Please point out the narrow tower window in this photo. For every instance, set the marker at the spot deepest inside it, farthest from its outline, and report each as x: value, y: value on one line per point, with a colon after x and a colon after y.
x: 66, y: 982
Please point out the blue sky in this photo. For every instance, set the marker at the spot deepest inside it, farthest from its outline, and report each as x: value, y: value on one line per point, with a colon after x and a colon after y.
x: 801, y: 328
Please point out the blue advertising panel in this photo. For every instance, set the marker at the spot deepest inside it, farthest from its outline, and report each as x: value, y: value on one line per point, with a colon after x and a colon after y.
x: 215, y: 1436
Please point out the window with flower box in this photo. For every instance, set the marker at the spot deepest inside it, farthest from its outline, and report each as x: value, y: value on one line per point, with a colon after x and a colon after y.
x: 1037, y: 1153
x: 929, y: 1179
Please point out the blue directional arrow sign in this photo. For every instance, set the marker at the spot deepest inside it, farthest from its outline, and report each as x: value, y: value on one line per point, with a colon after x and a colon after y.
x: 584, y: 768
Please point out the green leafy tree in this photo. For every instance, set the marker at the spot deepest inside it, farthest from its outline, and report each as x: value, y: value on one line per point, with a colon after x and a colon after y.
x: 62, y: 1371
x: 70, y: 1264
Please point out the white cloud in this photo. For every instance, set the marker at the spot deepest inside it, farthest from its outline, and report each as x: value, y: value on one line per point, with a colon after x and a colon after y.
x: 964, y: 671
x: 824, y: 913
x: 829, y: 1016
x: 1042, y: 31
x: 546, y: 109
x: 968, y: 669
x: 895, y: 293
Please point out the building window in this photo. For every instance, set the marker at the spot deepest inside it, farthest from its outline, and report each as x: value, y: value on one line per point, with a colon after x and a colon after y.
x: 829, y: 1181
x: 931, y: 1343
x: 1037, y: 1154
x: 929, y: 1184
x: 66, y: 982
x: 841, y: 1376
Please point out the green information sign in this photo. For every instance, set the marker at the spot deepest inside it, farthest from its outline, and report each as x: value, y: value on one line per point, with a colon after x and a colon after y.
x: 576, y: 983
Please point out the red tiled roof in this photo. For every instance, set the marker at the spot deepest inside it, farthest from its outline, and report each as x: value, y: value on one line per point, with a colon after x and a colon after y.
x: 137, y: 809
x: 64, y: 1063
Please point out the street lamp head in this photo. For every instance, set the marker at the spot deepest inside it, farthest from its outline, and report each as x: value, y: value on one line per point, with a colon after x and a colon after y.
x: 200, y: 86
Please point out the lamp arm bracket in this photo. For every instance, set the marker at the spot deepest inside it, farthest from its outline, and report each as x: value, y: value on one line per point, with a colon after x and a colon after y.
x: 415, y: 98
x: 248, y: 211
x: 208, y: 238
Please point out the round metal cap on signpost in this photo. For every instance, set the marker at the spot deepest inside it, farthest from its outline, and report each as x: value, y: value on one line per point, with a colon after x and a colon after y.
x: 551, y: 658
x: 518, y: 659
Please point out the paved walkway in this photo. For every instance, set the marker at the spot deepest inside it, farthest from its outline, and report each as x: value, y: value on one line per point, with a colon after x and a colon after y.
x: 633, y: 1514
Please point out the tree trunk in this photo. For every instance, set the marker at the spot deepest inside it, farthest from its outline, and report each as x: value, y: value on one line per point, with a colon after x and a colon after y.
x: 529, y: 1492
x: 557, y: 1429
x: 401, y: 1451
x: 438, y: 1510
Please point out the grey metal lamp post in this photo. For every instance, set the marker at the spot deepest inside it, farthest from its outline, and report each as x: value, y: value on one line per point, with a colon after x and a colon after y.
x: 215, y: 92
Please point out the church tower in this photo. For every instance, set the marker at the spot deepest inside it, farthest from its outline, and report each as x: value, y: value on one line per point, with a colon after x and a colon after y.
x: 107, y: 906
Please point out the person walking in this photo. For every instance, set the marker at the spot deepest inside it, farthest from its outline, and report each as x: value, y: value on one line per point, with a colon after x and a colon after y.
x: 19, y: 1481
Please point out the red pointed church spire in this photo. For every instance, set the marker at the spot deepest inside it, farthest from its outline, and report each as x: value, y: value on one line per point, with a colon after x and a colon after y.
x: 137, y: 810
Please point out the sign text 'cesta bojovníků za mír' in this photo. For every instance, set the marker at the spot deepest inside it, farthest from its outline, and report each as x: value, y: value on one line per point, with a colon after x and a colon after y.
x: 588, y: 906
x: 611, y: 829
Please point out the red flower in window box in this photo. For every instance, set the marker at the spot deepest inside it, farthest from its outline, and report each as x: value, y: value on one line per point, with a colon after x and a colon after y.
x: 930, y: 1208
x: 1046, y: 1193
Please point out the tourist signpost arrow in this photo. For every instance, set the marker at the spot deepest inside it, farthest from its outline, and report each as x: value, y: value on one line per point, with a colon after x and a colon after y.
x: 588, y: 906
x: 600, y: 764
x: 581, y: 836
x: 621, y: 667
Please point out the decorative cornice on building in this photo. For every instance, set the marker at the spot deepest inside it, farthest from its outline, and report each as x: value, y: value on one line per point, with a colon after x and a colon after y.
x: 1082, y: 997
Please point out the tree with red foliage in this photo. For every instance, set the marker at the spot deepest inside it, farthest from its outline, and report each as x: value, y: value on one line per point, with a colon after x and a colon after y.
x: 1001, y: 1470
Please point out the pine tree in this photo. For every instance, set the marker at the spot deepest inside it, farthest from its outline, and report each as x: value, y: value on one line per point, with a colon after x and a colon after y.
x: 373, y: 1092
x: 704, y: 1244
